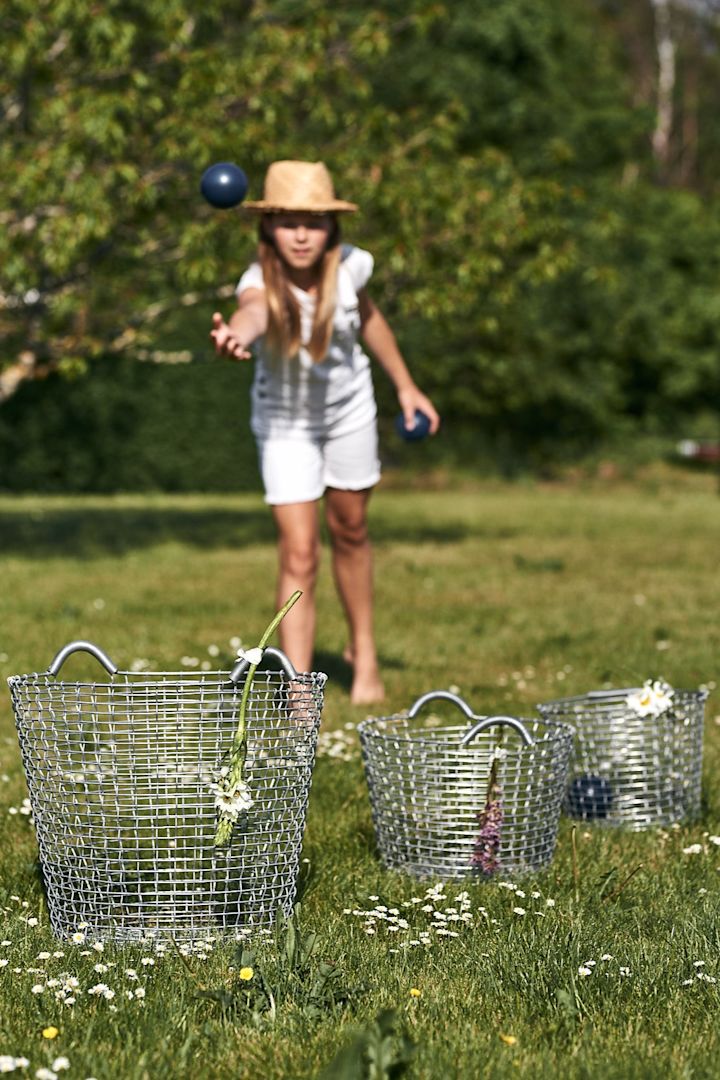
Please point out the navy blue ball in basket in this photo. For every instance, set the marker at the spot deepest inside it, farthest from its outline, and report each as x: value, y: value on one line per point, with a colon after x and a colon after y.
x: 589, y: 797
x: 224, y: 185
x: 412, y: 434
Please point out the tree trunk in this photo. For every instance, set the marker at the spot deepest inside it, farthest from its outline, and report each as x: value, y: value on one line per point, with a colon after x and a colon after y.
x: 690, y: 128
x: 665, y: 82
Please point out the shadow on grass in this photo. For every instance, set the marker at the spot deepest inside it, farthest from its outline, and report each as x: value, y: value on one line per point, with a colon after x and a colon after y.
x: 92, y: 532
x: 411, y: 531
x: 339, y: 672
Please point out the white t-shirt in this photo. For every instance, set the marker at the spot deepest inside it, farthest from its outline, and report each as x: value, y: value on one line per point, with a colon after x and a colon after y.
x: 300, y: 396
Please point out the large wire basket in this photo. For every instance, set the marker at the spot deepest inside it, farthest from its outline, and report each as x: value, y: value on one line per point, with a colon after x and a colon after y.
x: 631, y: 770
x: 119, y: 776
x: 451, y: 801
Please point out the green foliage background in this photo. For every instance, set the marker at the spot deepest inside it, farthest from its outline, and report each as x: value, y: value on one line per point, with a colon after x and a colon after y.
x: 549, y: 292
x: 132, y: 427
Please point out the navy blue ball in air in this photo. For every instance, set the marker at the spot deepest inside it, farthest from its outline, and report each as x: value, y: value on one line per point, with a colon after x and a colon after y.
x: 419, y: 431
x: 589, y: 797
x: 224, y: 185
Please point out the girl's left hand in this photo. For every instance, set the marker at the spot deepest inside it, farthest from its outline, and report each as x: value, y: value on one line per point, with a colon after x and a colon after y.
x: 412, y: 399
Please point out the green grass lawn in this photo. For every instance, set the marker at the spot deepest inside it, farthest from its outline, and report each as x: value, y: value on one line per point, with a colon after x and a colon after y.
x: 512, y: 594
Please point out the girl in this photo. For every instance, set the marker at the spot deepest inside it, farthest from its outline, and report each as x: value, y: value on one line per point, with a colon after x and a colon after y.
x: 303, y: 305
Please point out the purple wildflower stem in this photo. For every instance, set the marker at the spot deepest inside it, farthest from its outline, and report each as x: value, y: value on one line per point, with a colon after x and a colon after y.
x: 485, y: 858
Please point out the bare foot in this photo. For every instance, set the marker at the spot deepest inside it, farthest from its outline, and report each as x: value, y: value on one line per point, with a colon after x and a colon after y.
x: 367, y: 689
x: 298, y: 702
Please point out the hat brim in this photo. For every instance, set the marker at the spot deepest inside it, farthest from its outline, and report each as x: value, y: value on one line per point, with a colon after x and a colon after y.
x: 336, y: 206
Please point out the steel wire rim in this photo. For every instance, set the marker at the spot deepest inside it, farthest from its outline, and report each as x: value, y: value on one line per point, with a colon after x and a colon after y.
x: 628, y: 770
x: 118, y: 776
x: 427, y: 793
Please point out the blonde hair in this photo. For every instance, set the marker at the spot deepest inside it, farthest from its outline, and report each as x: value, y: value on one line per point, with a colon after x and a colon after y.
x: 283, y: 335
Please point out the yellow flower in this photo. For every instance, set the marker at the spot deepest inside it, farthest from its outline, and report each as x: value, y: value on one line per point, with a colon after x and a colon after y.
x: 246, y: 974
x: 414, y: 992
x: 509, y: 1040
x: 50, y: 1033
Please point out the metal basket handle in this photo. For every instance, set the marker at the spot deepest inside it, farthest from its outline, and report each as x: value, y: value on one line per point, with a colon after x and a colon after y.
x: 270, y: 650
x: 82, y: 646
x: 489, y: 721
x: 480, y: 722
x: 444, y: 695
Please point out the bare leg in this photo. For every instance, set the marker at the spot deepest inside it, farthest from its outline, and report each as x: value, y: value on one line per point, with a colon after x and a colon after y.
x: 299, y: 556
x: 346, y: 513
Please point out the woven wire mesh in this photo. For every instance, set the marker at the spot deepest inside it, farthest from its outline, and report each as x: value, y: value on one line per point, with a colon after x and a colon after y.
x: 118, y: 776
x: 637, y: 771
x: 430, y: 796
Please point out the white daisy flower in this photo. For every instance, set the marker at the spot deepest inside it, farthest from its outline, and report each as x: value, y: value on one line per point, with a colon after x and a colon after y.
x: 653, y: 699
x: 253, y: 656
x: 232, y: 799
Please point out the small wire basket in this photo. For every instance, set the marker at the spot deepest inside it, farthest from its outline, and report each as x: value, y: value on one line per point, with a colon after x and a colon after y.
x: 119, y: 776
x: 451, y: 801
x: 631, y: 770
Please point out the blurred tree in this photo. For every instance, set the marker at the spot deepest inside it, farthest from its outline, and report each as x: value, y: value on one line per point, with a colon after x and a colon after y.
x: 111, y: 110
x: 540, y: 81
x: 494, y: 147
x: 672, y: 50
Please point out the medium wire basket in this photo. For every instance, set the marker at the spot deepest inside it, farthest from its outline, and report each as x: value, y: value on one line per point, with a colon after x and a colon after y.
x: 451, y: 801
x: 631, y: 770
x: 119, y: 776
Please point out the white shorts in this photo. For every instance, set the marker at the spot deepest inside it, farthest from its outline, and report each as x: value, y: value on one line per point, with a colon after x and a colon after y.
x: 299, y: 469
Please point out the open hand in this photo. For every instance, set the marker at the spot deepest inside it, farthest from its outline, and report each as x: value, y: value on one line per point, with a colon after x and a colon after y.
x: 226, y: 343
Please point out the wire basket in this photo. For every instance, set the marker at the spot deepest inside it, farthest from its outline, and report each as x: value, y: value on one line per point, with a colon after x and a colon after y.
x: 119, y: 776
x: 451, y: 801
x: 631, y: 770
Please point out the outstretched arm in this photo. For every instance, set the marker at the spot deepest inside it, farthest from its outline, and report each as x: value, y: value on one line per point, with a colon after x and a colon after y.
x: 234, y: 337
x: 379, y: 338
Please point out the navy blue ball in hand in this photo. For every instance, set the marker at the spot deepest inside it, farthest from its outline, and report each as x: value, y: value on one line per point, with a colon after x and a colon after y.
x: 589, y: 797
x: 224, y: 185
x: 412, y: 434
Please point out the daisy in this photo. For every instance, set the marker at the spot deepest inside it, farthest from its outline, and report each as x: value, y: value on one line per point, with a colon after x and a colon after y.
x: 231, y: 799
x: 653, y: 699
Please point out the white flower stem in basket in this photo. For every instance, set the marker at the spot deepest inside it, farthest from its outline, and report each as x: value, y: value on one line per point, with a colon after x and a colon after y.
x: 232, y: 794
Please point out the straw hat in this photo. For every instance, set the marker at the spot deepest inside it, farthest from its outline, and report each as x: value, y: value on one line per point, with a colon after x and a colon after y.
x: 302, y: 186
